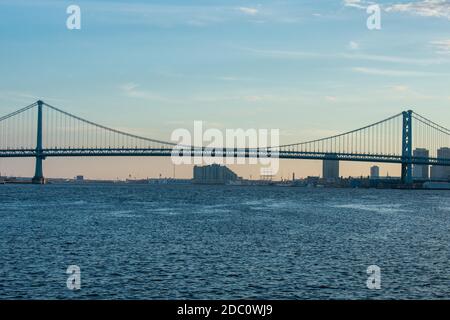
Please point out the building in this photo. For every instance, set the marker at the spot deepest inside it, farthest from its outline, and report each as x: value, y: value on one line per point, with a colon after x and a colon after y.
x: 375, y: 172
x: 441, y: 172
x: 330, y: 169
x: 435, y: 172
x: 421, y: 171
x: 213, y: 174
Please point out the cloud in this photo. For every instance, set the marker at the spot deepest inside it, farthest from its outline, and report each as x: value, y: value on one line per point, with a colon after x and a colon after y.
x: 392, y: 59
x: 425, y: 8
x: 129, y: 87
x: 22, y: 97
x: 331, y: 98
x: 292, y: 54
x: 405, y: 92
x: 284, y: 53
x: 228, y: 78
x: 400, y: 88
x: 27, y: 97
x: 132, y: 90
x: 248, y: 10
x: 355, y: 4
x: 441, y: 46
x: 393, y: 73
x: 189, y: 77
x: 353, y: 45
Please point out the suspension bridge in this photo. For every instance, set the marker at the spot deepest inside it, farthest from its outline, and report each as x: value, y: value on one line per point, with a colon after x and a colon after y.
x: 41, y: 130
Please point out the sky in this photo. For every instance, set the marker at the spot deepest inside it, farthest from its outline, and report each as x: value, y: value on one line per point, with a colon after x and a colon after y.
x: 308, y: 68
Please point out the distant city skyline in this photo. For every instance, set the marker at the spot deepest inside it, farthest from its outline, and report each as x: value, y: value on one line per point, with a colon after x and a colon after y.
x: 307, y: 68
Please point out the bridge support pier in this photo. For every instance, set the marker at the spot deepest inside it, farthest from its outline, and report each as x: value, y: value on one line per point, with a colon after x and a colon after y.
x: 38, y: 173
x: 407, y: 177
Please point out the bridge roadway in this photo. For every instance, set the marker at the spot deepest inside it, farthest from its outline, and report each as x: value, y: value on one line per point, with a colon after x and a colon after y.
x: 218, y: 153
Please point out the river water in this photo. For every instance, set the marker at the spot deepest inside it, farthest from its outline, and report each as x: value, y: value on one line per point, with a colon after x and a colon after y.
x: 222, y: 242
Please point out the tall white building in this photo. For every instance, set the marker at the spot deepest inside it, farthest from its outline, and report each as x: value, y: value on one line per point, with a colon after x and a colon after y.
x: 421, y: 171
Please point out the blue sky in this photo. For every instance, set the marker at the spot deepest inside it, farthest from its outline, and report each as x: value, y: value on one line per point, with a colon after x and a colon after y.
x: 308, y: 68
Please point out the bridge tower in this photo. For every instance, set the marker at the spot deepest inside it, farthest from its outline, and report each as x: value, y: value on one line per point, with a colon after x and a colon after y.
x: 38, y: 173
x: 407, y: 177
